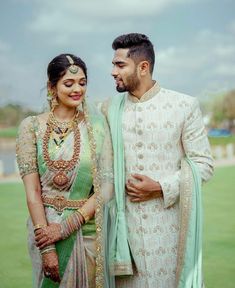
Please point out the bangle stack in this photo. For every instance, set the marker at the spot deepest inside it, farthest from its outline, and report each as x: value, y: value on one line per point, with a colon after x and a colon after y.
x: 71, y: 224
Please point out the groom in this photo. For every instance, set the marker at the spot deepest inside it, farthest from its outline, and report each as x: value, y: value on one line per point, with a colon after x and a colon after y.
x: 156, y: 129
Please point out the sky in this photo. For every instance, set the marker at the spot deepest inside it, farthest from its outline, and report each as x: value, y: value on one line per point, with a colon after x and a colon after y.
x: 194, y: 41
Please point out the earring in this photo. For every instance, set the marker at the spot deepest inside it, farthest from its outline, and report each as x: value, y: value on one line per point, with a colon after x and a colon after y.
x: 54, y: 102
x: 49, y: 95
x: 52, y: 99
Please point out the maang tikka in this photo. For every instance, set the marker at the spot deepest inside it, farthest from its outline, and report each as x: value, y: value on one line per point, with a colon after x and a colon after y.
x: 73, y: 68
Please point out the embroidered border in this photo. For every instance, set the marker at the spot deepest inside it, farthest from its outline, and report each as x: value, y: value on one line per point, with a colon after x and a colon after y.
x: 99, y: 277
x: 186, y: 186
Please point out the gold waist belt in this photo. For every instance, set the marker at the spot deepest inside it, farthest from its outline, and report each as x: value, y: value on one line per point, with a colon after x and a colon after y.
x: 59, y: 203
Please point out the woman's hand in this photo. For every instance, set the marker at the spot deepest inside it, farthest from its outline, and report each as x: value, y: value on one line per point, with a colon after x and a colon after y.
x: 50, y: 266
x: 48, y: 235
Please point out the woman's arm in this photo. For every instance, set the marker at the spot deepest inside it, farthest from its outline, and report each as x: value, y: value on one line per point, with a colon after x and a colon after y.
x: 26, y: 153
x: 34, y: 200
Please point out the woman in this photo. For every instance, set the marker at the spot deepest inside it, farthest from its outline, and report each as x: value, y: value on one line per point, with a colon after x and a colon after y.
x: 64, y: 158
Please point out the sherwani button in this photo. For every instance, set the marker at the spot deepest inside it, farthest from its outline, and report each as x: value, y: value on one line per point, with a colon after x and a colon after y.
x: 140, y: 156
x: 141, y: 167
x: 139, y: 144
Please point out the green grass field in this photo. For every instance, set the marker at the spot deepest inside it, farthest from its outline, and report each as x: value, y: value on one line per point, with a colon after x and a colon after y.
x: 9, y: 132
x: 15, y: 266
x: 219, y: 235
x: 222, y: 141
x: 219, y: 229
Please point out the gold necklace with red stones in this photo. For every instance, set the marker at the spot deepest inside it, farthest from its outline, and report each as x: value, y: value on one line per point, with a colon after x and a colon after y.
x: 61, y: 167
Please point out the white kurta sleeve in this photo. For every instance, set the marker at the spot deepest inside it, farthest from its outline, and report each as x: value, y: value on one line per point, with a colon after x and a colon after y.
x: 196, y: 147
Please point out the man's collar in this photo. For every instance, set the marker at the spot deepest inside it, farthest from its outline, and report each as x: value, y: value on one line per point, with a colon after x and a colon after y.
x: 147, y: 95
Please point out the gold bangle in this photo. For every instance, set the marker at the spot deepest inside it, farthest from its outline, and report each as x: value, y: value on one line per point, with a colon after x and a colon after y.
x: 39, y: 226
x: 47, y: 250
x: 84, y: 215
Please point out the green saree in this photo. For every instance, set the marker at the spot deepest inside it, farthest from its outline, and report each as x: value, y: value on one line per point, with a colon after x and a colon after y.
x: 82, y: 253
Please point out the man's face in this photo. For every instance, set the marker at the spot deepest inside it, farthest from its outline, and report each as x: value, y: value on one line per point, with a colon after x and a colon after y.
x: 124, y: 72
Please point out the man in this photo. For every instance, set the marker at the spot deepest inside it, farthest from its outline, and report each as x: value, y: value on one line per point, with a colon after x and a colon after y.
x: 158, y: 128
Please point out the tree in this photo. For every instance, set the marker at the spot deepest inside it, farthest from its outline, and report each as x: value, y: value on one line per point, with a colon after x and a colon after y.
x: 12, y: 114
x: 229, y: 108
x: 217, y: 111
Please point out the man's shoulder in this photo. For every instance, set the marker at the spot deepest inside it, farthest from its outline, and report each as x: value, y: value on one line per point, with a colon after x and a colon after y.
x: 181, y: 99
x: 177, y: 95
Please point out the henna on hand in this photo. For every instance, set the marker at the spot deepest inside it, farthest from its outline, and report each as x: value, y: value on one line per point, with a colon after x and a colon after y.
x: 48, y: 235
x: 50, y: 265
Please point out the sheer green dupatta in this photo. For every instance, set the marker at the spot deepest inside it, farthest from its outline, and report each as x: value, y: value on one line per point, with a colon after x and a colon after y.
x: 189, y: 262
x: 120, y: 257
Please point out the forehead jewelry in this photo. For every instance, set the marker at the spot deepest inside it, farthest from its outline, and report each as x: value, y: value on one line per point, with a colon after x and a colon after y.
x: 73, y: 68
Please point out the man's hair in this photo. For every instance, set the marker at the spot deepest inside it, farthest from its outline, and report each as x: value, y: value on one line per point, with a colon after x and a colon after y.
x: 139, y: 45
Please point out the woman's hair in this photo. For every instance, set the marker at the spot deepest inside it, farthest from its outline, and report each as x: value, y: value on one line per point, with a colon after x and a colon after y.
x: 59, y: 65
x: 139, y: 45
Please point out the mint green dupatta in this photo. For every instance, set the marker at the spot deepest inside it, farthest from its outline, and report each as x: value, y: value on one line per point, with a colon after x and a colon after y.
x: 189, y: 262
x: 120, y: 258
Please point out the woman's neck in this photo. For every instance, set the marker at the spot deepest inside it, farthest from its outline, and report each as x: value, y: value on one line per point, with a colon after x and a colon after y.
x: 63, y: 114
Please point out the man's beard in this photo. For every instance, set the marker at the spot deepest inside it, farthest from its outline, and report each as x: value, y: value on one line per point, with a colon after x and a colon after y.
x: 132, y: 84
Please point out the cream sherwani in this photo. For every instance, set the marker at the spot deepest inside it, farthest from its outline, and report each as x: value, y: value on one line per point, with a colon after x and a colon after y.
x: 158, y: 130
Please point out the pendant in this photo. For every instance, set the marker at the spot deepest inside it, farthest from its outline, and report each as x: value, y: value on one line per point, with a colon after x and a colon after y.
x: 60, y: 180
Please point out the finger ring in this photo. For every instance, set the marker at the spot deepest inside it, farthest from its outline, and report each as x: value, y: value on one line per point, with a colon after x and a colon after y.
x: 47, y: 274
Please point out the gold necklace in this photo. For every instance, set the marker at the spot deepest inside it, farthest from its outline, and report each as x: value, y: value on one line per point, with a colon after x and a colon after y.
x: 61, y: 167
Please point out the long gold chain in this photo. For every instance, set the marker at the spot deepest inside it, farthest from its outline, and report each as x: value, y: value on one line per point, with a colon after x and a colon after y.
x: 61, y: 167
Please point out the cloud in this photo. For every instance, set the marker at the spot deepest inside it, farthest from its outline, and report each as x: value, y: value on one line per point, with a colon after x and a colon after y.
x: 206, y: 63
x: 203, y: 61
x: 18, y: 79
x: 4, y: 46
x: 232, y: 26
x: 85, y: 16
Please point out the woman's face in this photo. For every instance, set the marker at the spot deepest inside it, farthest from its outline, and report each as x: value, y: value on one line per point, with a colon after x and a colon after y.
x: 71, y: 89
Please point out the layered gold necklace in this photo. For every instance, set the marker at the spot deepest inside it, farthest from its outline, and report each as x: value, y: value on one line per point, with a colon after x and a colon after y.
x: 58, y: 131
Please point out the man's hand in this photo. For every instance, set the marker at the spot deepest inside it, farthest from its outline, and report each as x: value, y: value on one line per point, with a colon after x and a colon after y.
x: 144, y: 189
x: 48, y: 235
x: 50, y: 266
